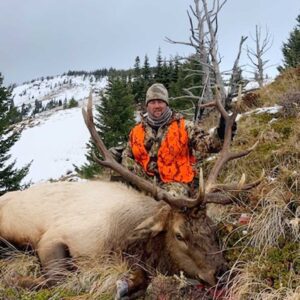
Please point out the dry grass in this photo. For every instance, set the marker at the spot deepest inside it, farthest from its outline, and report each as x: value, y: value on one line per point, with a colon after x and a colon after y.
x: 93, y: 280
x: 264, y: 254
x: 247, y: 286
x: 268, y: 224
x: 288, y: 82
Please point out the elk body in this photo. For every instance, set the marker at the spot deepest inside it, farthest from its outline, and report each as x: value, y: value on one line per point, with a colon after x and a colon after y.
x: 89, y: 219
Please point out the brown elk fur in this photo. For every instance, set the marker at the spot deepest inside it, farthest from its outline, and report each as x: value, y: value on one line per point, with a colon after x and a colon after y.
x: 89, y: 219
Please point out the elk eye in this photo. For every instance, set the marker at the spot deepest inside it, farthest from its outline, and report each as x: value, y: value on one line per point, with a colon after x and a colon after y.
x: 179, y: 237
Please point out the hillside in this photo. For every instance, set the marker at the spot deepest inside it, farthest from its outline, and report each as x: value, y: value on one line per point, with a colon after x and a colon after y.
x: 55, y: 139
x: 59, y: 88
x: 259, y: 233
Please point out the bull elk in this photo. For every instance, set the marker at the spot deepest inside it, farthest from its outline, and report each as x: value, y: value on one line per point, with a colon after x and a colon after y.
x: 71, y: 220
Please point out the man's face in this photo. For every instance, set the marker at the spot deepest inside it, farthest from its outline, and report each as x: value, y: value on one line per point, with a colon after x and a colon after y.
x: 156, y: 107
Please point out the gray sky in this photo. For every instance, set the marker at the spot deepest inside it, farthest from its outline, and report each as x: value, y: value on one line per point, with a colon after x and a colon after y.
x: 49, y: 37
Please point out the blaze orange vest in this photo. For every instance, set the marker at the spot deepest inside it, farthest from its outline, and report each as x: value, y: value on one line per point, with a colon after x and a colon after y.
x: 174, y: 160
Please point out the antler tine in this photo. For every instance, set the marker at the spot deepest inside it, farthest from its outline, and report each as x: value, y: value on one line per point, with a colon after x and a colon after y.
x: 219, y: 105
x: 225, y: 154
x: 216, y: 103
x: 205, y: 194
x: 201, y: 195
x: 242, y: 181
x: 143, y: 184
x: 240, y: 186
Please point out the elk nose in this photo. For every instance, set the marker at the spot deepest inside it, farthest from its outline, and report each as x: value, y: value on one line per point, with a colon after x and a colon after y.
x: 221, y: 272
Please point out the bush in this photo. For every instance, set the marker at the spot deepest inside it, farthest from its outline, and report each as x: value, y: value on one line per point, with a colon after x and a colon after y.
x: 72, y: 103
x: 290, y: 103
x: 251, y: 100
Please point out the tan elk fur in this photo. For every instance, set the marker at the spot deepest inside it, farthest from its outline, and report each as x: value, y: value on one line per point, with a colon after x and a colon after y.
x: 73, y: 213
x: 90, y: 219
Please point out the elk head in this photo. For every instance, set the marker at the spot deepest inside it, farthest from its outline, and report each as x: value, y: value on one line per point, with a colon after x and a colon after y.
x: 189, y: 234
x: 181, y: 240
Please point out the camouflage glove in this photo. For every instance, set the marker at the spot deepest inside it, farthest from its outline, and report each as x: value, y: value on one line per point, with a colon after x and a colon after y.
x: 117, y: 153
x: 221, y: 129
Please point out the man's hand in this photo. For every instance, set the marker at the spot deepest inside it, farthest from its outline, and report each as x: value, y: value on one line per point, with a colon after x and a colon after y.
x: 117, y: 153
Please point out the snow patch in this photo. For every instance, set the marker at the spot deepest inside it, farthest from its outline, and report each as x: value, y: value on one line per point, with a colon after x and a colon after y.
x: 53, y: 146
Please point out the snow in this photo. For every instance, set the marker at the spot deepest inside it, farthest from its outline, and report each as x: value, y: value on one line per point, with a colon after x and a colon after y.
x: 53, y: 146
x: 54, y: 140
x: 269, y: 110
x: 57, y: 88
x: 252, y: 85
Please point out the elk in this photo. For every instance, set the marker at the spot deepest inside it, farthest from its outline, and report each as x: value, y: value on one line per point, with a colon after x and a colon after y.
x: 88, y: 219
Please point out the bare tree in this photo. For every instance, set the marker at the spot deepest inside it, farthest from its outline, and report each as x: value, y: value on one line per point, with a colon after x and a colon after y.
x: 209, y: 191
x: 204, y: 29
x: 262, y: 45
x: 236, y: 75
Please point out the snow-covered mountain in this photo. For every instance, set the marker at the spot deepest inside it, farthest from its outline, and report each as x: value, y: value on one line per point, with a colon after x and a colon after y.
x: 58, y: 88
x: 54, y: 140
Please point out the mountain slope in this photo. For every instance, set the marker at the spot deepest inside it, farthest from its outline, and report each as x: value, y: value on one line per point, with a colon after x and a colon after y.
x: 54, y: 140
x: 57, y: 88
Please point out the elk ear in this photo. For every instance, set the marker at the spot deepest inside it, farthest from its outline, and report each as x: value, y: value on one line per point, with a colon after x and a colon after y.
x: 152, y: 225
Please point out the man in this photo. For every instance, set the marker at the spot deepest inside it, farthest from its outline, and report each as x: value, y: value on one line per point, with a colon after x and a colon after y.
x: 161, y: 147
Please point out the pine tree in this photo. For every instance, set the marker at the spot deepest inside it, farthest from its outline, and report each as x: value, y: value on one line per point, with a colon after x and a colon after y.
x: 291, y: 49
x: 137, y: 81
x: 10, y: 177
x: 116, y: 113
x: 158, y: 76
x: 114, y: 119
x: 166, y: 72
x: 146, y: 71
x: 147, y: 79
x: 180, y: 79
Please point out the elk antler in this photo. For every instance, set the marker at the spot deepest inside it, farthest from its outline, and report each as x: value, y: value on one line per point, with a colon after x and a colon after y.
x: 205, y: 195
x: 225, y: 155
x: 141, y: 183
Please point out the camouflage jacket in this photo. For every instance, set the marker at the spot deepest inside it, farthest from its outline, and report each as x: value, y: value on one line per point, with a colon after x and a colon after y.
x: 200, y: 143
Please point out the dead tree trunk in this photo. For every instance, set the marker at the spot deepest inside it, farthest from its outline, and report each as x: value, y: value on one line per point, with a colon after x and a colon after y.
x: 235, y: 79
x: 204, y: 40
x: 211, y: 17
x: 256, y: 56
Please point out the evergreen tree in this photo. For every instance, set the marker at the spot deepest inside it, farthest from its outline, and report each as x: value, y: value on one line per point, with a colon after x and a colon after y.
x: 72, y: 103
x: 38, y: 107
x: 10, y: 177
x: 158, y: 76
x: 137, y: 81
x: 116, y: 113
x: 16, y: 115
x: 137, y: 67
x: 166, y: 72
x: 181, y: 79
x: 146, y: 71
x: 291, y: 49
x: 114, y: 119
x: 147, y: 79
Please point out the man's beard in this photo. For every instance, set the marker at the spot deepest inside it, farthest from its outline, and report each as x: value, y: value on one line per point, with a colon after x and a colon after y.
x: 160, y: 121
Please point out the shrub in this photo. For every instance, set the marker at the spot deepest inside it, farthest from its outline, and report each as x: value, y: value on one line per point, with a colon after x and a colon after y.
x: 290, y: 103
x: 73, y: 103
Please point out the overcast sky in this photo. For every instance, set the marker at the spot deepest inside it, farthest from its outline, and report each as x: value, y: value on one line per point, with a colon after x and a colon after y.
x: 49, y: 37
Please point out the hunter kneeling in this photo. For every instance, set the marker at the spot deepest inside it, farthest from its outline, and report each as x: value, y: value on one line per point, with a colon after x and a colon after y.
x: 161, y: 147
